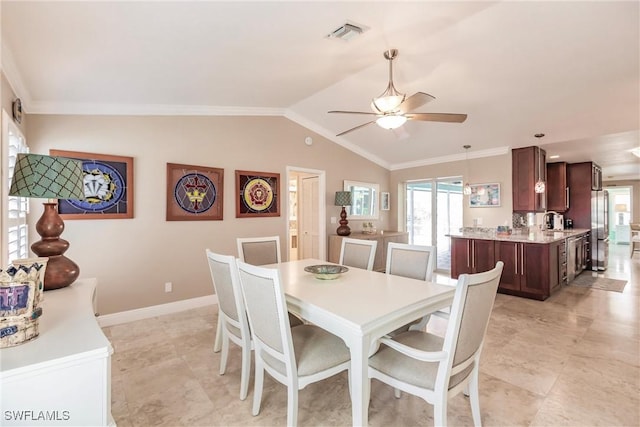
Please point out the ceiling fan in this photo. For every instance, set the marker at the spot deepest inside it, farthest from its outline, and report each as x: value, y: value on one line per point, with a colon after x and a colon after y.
x: 392, y: 108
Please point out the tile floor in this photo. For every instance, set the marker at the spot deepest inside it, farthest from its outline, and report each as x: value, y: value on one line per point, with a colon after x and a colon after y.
x: 573, y: 360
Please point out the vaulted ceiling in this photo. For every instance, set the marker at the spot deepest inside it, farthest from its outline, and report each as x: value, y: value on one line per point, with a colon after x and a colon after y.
x: 570, y: 70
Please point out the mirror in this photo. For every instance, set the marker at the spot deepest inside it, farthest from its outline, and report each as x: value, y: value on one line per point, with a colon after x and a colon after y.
x: 365, y: 200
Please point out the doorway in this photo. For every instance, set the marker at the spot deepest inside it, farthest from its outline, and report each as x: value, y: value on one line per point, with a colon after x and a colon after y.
x: 434, y: 210
x: 620, y: 214
x: 306, y: 214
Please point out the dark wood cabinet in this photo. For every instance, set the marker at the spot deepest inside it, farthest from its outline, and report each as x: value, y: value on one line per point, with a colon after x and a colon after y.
x: 557, y: 189
x: 531, y: 270
x: 471, y: 256
x: 528, y: 166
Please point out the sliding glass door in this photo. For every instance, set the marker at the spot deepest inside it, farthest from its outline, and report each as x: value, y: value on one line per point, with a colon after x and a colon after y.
x: 434, y: 210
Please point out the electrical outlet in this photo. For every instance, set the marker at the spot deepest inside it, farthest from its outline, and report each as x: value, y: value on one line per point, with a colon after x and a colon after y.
x: 334, y: 220
x: 168, y: 287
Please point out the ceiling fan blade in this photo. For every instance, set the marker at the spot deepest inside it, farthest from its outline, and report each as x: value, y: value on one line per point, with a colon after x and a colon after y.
x: 416, y: 100
x: 437, y: 117
x: 355, y: 128
x: 353, y: 112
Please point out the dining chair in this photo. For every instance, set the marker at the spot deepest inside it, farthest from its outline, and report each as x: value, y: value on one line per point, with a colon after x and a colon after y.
x: 295, y: 357
x: 259, y: 250
x: 233, y: 324
x: 415, y: 262
x: 435, y: 368
x: 358, y: 253
x: 263, y: 251
x: 634, y: 242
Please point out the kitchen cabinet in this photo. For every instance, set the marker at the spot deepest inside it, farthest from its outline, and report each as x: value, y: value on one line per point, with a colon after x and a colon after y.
x: 557, y: 189
x: 383, y: 238
x: 528, y: 166
x: 532, y: 270
x: 471, y: 256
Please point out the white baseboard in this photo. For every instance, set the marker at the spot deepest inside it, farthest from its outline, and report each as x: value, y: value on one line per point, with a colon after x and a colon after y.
x: 156, y: 310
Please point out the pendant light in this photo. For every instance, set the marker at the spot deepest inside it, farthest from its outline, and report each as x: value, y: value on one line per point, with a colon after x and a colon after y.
x: 466, y: 190
x: 540, y: 186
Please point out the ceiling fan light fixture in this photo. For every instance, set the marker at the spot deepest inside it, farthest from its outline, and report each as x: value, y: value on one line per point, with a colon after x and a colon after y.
x: 392, y: 109
x: 391, y: 121
x: 388, y: 103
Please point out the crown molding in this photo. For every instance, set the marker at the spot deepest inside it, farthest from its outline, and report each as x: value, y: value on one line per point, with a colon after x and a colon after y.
x: 294, y: 117
x: 39, y: 107
x: 452, y: 158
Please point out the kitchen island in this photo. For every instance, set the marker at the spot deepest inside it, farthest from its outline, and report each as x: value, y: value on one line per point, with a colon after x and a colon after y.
x: 535, y: 264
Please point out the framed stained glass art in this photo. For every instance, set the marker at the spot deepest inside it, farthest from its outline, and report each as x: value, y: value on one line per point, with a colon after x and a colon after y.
x: 194, y: 193
x: 108, y: 187
x: 257, y: 194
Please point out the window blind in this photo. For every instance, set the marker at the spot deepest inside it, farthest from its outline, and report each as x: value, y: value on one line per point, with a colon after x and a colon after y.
x: 17, y: 207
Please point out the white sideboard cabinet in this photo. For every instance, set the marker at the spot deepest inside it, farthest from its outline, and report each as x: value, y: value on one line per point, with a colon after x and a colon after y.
x: 62, y: 377
x: 383, y: 238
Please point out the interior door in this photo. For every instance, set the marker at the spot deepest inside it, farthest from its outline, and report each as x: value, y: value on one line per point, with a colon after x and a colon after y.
x: 309, y: 220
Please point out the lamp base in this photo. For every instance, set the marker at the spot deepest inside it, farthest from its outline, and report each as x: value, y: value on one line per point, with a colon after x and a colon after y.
x: 61, y: 271
x: 344, y: 229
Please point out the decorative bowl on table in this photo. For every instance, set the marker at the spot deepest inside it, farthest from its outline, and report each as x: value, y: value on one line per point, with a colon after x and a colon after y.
x: 326, y: 271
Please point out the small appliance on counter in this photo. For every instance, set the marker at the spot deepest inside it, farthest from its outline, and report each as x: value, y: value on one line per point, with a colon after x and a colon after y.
x: 568, y: 223
x: 553, y: 221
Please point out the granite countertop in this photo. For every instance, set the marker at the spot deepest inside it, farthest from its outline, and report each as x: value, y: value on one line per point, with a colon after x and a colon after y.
x: 547, y: 236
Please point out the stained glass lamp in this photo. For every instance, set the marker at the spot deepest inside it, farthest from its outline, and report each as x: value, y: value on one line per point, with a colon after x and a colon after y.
x: 47, y: 177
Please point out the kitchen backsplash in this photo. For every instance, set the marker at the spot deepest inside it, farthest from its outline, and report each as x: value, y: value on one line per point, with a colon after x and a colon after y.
x: 519, y: 220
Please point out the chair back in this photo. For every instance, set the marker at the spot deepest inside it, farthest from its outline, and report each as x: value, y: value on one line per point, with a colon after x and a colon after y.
x: 267, y: 312
x: 358, y: 253
x: 226, y: 283
x: 259, y: 250
x: 414, y: 261
x: 470, y: 312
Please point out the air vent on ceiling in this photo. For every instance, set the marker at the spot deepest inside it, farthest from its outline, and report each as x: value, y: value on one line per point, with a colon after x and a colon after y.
x: 346, y: 32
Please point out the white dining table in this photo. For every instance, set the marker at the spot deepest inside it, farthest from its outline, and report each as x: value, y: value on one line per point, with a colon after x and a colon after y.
x: 360, y: 306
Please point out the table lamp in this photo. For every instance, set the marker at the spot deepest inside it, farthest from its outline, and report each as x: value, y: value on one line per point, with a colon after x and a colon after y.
x: 47, y: 177
x: 343, y: 198
x: 621, y: 208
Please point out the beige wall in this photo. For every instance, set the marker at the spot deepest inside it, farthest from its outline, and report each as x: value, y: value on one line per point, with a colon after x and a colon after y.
x: 635, y: 195
x: 496, y: 169
x: 7, y: 96
x: 133, y: 258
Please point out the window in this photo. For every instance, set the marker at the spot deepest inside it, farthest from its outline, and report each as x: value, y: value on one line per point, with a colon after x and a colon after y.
x: 14, y: 209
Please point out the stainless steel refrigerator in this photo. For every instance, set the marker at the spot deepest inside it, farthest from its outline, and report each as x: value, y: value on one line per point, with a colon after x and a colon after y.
x: 599, y: 230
